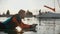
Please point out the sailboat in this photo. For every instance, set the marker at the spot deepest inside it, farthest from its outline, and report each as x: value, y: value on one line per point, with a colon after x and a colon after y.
x: 50, y: 14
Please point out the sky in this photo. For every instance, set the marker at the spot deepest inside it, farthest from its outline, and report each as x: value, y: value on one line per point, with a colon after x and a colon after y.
x: 32, y: 5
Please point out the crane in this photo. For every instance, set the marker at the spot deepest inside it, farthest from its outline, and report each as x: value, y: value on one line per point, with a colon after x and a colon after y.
x: 53, y: 9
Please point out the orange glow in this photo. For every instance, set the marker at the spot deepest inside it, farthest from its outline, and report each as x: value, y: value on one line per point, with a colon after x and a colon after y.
x: 53, y: 9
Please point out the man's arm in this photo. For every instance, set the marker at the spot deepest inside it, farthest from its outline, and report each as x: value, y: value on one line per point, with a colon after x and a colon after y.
x: 22, y: 25
x: 15, y: 21
x: 25, y: 25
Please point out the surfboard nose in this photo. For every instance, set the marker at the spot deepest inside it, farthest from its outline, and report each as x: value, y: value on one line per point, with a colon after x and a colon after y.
x: 34, y: 25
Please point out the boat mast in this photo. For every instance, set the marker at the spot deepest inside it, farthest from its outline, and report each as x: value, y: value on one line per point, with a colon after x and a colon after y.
x: 58, y: 3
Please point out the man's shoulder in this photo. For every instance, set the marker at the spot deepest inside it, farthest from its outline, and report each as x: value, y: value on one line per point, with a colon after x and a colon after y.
x: 16, y: 16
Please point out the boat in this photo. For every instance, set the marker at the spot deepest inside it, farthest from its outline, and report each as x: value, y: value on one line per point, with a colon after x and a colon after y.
x: 49, y: 15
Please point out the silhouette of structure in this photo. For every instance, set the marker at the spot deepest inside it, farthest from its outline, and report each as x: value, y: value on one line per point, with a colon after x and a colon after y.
x: 29, y: 14
x: 6, y: 15
x: 40, y: 12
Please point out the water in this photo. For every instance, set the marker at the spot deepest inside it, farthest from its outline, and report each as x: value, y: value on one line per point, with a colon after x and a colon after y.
x: 45, y: 26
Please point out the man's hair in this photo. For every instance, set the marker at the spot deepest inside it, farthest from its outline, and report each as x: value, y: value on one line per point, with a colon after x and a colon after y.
x: 20, y: 11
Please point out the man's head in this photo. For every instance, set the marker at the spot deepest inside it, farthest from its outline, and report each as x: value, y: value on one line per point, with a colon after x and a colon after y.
x: 21, y: 13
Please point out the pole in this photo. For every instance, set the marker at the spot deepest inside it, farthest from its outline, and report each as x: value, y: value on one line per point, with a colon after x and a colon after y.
x: 54, y: 26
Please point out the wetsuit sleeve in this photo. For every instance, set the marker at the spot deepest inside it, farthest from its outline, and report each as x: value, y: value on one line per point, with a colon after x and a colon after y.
x: 25, y: 25
x: 16, y: 18
x: 18, y: 21
x: 21, y: 23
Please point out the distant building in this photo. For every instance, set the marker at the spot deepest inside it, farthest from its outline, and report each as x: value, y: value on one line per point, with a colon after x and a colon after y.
x: 3, y: 14
x: 29, y: 14
x: 40, y: 12
x: 8, y: 13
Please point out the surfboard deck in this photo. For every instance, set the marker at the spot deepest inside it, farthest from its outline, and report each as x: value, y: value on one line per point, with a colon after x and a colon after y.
x: 33, y: 28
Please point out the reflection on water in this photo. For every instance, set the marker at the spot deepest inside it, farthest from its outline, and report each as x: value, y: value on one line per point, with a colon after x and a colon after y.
x: 45, y: 26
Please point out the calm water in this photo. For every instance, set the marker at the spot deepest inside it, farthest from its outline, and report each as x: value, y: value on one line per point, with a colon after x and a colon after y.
x: 45, y: 26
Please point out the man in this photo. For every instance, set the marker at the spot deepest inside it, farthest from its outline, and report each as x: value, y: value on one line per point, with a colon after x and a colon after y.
x: 15, y: 21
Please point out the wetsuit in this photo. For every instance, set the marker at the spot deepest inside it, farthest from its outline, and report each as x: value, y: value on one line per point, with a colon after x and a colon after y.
x: 14, y: 21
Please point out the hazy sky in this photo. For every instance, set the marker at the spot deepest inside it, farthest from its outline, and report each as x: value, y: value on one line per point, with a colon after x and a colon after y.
x: 33, y: 5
